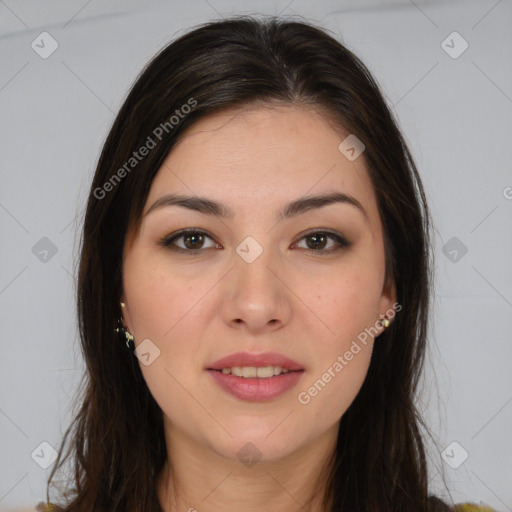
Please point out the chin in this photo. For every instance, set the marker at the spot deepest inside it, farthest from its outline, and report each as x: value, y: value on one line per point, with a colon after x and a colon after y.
x: 256, y: 444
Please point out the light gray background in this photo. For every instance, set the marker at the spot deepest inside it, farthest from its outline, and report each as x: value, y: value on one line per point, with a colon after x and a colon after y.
x: 455, y: 113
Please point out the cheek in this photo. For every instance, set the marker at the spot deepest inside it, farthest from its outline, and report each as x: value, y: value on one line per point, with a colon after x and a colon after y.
x: 341, y: 362
x: 159, y: 297
x: 345, y: 302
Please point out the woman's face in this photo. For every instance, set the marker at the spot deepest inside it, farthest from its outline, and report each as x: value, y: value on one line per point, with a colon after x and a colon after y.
x: 255, y: 281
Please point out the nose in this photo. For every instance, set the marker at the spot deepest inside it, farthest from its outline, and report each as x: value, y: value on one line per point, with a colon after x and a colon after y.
x: 256, y: 298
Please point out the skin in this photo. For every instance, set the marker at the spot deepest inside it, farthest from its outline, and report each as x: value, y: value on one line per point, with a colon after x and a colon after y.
x: 199, y: 308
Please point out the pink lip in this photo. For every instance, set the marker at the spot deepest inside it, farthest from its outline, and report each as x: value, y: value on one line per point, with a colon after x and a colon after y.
x: 257, y: 360
x: 255, y: 389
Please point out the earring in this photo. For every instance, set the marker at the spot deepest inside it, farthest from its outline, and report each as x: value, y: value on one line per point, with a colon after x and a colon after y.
x: 124, y: 334
x: 384, y: 322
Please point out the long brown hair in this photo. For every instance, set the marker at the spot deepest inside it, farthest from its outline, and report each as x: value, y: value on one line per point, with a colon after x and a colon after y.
x: 116, y: 439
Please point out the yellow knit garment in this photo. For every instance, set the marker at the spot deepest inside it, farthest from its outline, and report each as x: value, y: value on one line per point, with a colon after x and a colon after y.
x: 472, y: 507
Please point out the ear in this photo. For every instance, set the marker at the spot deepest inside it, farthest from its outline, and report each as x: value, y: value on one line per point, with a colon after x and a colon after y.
x: 125, y: 314
x: 388, y: 298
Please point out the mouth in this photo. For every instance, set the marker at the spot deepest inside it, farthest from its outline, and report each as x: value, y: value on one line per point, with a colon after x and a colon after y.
x: 252, y: 372
x: 256, y: 377
x: 246, y: 364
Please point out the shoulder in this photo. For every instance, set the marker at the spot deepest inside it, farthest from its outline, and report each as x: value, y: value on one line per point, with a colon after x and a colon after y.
x: 472, y: 507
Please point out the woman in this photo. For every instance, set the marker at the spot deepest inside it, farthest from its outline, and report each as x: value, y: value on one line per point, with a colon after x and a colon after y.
x: 254, y: 283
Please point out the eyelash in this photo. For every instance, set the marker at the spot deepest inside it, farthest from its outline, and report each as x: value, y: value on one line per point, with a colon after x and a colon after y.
x: 167, y: 241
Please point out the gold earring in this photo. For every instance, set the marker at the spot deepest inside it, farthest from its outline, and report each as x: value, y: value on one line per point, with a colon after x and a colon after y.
x: 124, y: 335
x: 123, y: 332
x: 384, y: 322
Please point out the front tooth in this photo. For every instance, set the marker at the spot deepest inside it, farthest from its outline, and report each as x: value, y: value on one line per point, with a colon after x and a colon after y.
x: 264, y: 372
x: 249, y: 371
x: 236, y: 370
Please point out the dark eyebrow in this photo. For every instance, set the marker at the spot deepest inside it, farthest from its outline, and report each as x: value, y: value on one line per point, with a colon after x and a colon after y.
x: 297, y: 207
x: 310, y: 202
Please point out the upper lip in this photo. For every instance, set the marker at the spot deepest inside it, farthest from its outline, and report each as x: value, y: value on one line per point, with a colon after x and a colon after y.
x: 263, y: 359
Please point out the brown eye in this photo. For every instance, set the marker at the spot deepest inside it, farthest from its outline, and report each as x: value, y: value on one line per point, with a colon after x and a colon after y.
x: 317, y: 241
x: 193, y: 241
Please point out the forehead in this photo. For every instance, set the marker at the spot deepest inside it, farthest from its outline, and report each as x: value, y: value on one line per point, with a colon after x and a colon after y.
x: 263, y: 157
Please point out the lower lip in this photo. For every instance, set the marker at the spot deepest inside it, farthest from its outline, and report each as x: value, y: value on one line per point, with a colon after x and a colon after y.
x: 255, y: 389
